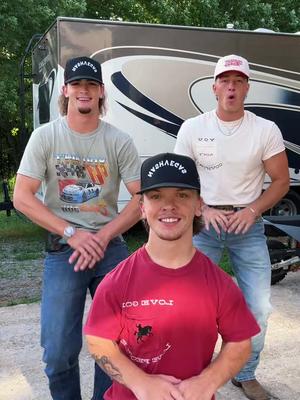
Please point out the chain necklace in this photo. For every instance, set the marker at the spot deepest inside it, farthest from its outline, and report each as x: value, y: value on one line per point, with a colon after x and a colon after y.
x: 229, y: 131
x: 85, y: 156
x: 93, y: 141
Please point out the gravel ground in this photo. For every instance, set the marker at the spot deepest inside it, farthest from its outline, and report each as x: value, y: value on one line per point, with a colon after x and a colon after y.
x: 21, y: 368
x: 16, y: 289
x: 21, y: 268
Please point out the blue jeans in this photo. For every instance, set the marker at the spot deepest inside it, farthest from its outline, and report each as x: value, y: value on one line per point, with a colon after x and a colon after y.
x: 63, y: 300
x: 251, y: 265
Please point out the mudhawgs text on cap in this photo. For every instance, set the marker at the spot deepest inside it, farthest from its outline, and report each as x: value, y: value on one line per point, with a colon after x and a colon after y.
x: 87, y: 63
x: 82, y: 68
x: 169, y: 170
x: 164, y: 163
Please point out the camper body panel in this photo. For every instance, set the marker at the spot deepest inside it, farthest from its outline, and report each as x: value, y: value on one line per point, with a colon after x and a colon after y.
x: 158, y: 76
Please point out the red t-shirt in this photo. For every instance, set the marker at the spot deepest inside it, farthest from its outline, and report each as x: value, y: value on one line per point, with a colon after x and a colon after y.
x: 167, y: 320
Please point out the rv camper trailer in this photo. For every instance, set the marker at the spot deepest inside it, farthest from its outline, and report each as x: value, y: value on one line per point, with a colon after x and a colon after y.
x: 157, y: 76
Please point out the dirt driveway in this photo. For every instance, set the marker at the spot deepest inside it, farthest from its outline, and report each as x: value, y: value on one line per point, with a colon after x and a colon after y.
x: 21, y: 368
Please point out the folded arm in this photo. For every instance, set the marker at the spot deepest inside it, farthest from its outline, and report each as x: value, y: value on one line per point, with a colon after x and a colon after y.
x: 26, y: 202
x: 128, y: 217
x: 121, y: 369
x: 85, y: 243
x: 277, y: 169
x: 232, y: 357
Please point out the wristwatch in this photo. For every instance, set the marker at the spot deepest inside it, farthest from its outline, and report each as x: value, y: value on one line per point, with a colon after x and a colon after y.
x: 69, y: 231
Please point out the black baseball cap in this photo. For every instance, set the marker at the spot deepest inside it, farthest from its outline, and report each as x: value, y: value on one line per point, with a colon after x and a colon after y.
x: 169, y: 170
x: 82, y: 68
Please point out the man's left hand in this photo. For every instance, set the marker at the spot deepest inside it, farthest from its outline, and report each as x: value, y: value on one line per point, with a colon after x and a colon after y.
x: 196, y: 388
x: 241, y: 221
x: 87, y: 259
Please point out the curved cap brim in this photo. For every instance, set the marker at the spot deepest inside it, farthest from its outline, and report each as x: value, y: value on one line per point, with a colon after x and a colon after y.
x: 169, y: 185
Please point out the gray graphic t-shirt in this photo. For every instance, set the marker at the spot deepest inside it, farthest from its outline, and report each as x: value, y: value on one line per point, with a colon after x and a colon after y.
x: 81, y: 173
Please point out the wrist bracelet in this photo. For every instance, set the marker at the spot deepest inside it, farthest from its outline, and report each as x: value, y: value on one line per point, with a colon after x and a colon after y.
x: 252, y: 210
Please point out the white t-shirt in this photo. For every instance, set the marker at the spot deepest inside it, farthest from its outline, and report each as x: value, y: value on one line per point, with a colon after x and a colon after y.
x: 230, y: 166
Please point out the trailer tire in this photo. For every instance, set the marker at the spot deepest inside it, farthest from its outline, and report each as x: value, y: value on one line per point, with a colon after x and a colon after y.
x: 277, y: 275
x: 288, y: 205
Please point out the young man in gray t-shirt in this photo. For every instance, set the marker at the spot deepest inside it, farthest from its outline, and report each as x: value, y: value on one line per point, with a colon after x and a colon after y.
x: 80, y: 161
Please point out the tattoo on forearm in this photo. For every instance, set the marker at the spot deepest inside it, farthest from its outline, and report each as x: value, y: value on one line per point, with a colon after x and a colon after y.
x: 111, y: 370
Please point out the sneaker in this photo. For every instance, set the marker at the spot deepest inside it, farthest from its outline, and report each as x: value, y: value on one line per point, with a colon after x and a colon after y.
x: 252, y: 389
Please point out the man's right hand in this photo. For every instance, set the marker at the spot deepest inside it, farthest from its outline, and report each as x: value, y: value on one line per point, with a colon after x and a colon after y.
x: 87, y: 250
x: 215, y: 217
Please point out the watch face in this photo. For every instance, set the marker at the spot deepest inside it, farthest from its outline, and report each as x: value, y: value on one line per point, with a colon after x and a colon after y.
x: 69, y: 231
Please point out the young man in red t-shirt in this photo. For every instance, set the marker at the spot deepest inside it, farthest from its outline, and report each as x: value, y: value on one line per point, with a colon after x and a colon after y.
x: 155, y: 318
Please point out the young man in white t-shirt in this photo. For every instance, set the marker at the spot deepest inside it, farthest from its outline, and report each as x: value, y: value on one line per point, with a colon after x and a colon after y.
x: 233, y: 150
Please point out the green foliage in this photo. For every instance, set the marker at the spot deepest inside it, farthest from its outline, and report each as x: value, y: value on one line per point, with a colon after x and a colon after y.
x: 278, y: 15
x: 20, y: 20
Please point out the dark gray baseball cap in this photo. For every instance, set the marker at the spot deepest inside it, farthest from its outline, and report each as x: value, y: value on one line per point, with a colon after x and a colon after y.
x: 82, y: 68
x: 169, y: 170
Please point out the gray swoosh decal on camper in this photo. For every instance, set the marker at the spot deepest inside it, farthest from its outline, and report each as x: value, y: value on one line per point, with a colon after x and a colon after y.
x: 292, y: 146
x: 164, y: 119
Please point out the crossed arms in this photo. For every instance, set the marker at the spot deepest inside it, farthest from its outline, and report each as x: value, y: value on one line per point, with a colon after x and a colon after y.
x: 232, y: 357
x: 88, y: 247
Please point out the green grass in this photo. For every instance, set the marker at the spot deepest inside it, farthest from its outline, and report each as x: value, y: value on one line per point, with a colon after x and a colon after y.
x: 135, y: 238
x: 18, y: 258
x: 27, y: 239
x: 28, y: 255
x: 22, y: 253
x: 21, y: 243
x: 31, y: 243
x: 18, y: 226
x: 23, y: 300
x: 20, y: 239
x: 225, y: 264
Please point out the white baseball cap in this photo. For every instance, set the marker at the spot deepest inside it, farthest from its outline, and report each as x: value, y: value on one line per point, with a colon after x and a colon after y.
x: 232, y: 63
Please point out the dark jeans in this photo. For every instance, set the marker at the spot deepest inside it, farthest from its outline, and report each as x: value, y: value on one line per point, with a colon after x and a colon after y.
x: 63, y: 300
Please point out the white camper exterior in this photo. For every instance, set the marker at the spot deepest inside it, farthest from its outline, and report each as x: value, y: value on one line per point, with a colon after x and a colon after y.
x: 157, y: 76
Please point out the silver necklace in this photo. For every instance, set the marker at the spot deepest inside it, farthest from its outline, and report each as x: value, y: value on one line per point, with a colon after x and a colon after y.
x: 85, y: 156
x: 229, y: 131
